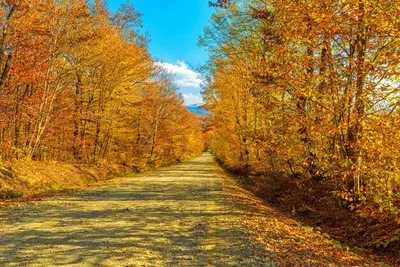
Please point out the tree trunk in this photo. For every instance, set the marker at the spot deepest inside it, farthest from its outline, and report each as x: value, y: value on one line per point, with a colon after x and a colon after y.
x: 3, y: 48
x: 356, y: 130
x: 77, y: 147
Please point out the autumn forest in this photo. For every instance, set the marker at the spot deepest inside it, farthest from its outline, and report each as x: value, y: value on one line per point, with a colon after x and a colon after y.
x: 79, y: 85
x: 301, y: 98
x: 309, y: 90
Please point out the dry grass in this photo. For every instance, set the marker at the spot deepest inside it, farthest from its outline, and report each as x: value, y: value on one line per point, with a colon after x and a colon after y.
x: 28, y: 178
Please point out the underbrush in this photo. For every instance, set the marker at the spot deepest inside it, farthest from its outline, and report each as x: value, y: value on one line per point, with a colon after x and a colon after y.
x: 10, y: 194
x: 361, y: 226
x: 27, y: 178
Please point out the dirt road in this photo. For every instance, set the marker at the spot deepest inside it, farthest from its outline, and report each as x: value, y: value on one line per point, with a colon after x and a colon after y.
x: 191, y: 214
x: 179, y: 216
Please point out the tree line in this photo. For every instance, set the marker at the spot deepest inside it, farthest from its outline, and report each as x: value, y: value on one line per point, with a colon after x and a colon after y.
x: 308, y: 89
x: 77, y: 84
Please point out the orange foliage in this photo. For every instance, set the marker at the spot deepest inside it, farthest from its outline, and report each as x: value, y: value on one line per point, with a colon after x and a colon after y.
x: 309, y: 89
x: 78, y: 84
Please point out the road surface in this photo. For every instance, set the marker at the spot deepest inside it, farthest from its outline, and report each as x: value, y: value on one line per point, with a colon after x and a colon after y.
x: 178, y: 216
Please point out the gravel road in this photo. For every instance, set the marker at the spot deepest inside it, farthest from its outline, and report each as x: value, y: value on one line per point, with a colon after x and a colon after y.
x: 178, y: 216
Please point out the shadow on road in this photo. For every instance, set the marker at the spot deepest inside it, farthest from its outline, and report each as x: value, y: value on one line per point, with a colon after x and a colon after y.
x: 179, y: 216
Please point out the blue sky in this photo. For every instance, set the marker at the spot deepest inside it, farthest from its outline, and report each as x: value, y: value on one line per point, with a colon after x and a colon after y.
x: 174, y: 27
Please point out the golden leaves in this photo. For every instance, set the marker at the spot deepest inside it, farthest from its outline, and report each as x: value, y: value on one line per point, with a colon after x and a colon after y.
x: 303, y: 89
x: 82, y: 89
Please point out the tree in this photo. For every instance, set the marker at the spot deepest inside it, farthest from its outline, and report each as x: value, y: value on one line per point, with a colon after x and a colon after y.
x: 79, y: 85
x: 318, y: 76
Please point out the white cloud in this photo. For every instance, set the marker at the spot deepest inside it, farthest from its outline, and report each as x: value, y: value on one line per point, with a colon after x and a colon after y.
x: 184, y: 76
x: 191, y: 99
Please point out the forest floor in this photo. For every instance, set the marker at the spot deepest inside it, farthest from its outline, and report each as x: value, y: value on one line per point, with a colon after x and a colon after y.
x: 191, y: 214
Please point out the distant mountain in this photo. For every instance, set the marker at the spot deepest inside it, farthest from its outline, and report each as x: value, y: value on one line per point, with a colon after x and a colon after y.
x: 196, y: 109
